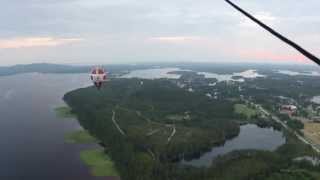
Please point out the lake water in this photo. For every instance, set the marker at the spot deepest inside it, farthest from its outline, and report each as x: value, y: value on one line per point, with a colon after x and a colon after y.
x: 248, y: 74
x: 158, y: 73
x: 31, y: 136
x: 250, y: 137
x: 295, y: 73
x: 316, y: 99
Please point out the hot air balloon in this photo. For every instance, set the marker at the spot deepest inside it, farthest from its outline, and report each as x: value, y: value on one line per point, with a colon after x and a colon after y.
x: 98, y: 76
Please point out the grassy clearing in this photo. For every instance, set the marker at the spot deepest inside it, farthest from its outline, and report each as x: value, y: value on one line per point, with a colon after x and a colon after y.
x: 81, y: 137
x: 99, y: 162
x: 64, y: 112
x: 245, y: 110
x: 312, y: 131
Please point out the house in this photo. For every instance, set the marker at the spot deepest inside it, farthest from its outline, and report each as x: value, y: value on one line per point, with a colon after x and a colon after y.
x: 288, y: 109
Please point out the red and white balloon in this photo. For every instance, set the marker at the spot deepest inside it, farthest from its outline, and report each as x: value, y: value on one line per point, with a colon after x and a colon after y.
x: 98, y: 76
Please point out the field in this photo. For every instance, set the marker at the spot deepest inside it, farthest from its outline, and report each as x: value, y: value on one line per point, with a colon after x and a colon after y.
x: 99, y: 162
x: 64, y: 112
x: 245, y: 110
x: 81, y: 137
x: 312, y: 131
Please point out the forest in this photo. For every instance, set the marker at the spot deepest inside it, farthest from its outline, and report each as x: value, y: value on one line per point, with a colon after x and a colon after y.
x: 147, y: 126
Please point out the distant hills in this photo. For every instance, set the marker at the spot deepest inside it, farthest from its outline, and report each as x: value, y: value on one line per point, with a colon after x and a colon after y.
x: 222, y: 68
x: 59, y: 68
x: 42, y: 68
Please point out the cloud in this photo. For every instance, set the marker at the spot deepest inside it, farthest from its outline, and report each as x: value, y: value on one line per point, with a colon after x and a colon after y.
x: 266, y: 17
x: 275, y: 57
x: 29, y: 42
x: 175, y: 39
x: 132, y: 30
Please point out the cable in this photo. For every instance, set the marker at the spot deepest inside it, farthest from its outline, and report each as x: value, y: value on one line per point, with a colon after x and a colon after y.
x: 278, y: 35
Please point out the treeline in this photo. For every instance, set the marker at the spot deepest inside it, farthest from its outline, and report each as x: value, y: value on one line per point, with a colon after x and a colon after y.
x: 292, y: 123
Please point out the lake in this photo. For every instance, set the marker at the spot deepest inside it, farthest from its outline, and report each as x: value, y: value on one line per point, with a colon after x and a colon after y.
x: 31, y: 136
x: 155, y: 73
x: 158, y: 73
x: 295, y: 73
x: 248, y: 74
x: 316, y: 99
x: 250, y: 137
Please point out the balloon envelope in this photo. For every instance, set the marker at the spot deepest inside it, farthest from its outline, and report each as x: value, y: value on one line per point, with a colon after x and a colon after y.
x: 98, y: 76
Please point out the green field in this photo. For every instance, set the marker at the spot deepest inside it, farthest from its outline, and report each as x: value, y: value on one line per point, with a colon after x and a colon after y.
x: 81, y: 137
x: 245, y: 110
x: 64, y: 112
x: 99, y: 162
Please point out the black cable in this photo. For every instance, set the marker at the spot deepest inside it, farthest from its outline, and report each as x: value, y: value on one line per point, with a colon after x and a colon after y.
x: 278, y: 35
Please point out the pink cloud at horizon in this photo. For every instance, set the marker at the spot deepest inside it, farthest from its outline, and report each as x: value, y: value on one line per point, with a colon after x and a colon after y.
x: 28, y: 42
x: 275, y: 57
x: 175, y: 39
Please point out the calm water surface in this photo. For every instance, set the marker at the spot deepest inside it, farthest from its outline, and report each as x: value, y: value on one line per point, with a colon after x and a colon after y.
x: 165, y: 73
x: 31, y: 136
x: 250, y: 137
x: 316, y: 99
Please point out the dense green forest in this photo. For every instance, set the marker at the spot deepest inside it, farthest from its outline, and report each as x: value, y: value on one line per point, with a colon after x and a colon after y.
x: 147, y: 126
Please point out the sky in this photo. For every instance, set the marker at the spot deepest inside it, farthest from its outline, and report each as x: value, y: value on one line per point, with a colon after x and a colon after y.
x: 134, y: 31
